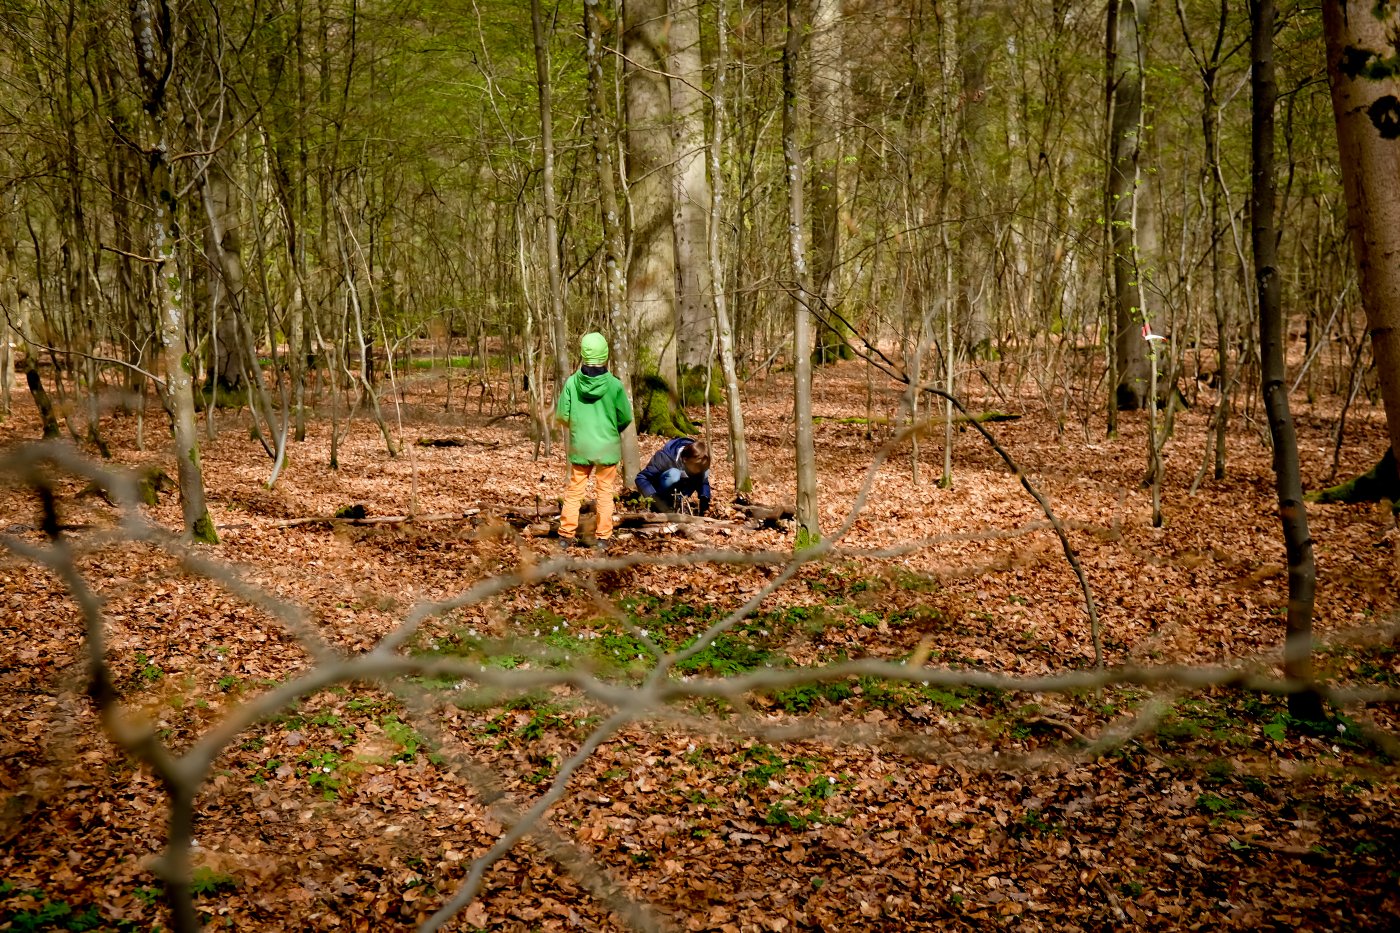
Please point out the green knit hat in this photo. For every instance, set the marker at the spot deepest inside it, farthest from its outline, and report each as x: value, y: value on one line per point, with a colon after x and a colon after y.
x: 594, y: 349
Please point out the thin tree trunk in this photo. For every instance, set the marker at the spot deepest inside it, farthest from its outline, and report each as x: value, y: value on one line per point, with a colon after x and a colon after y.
x: 980, y: 25
x: 558, y: 322
x: 738, y: 442
x: 1110, y: 141
x: 1125, y: 146
x: 353, y: 296
x: 809, y: 530
x: 9, y: 304
x: 1293, y: 513
x: 536, y: 395
x: 167, y: 287
x: 614, y: 253
x: 827, y: 67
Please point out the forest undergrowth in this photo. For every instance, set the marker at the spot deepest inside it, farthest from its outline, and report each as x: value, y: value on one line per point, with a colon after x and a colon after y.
x: 851, y: 803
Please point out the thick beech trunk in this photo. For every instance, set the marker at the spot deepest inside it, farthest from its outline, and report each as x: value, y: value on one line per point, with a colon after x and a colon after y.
x: 651, y: 270
x: 690, y: 197
x: 1361, y: 56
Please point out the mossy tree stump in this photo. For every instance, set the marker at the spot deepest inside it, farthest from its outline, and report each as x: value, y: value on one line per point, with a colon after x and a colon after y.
x: 1378, y: 483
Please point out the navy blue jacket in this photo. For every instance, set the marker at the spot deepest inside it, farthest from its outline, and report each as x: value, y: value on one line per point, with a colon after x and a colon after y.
x: 650, y: 482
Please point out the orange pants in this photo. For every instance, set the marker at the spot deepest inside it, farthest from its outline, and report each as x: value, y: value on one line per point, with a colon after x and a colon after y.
x: 604, y: 486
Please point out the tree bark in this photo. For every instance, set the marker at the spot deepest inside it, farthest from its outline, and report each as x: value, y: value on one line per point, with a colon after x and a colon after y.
x: 613, y: 249
x: 827, y: 82
x: 9, y: 299
x: 1125, y: 136
x: 809, y: 530
x: 558, y: 321
x: 651, y: 271
x: 981, y: 29
x: 155, y: 64
x: 738, y: 441
x: 1293, y: 513
x: 690, y: 194
x: 1361, y: 50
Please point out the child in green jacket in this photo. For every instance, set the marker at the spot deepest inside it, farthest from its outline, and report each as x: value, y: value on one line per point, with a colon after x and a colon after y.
x: 594, y: 407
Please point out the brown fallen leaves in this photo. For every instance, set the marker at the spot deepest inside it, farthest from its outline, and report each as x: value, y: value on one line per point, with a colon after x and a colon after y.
x: 848, y: 806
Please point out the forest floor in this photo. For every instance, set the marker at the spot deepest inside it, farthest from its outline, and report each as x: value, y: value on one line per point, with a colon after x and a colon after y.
x: 856, y: 804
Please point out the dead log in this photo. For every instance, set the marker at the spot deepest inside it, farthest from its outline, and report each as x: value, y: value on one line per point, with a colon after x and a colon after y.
x: 371, y: 519
x: 766, y: 516
x: 456, y: 442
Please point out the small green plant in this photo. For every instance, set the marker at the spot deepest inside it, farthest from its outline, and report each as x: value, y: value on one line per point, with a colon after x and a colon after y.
x: 823, y: 787
x: 780, y: 814
x: 1222, y: 807
x: 321, y: 769
x: 766, y: 765
x: 725, y: 656
x: 206, y: 881
x: 802, y: 698
x: 49, y: 914
x: 148, y: 670
x: 407, y: 738
x: 541, y: 721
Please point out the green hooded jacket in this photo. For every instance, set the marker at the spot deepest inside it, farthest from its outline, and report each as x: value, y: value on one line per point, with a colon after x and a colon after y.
x: 595, y: 409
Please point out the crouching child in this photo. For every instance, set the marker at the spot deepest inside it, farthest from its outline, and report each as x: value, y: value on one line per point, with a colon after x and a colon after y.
x: 678, y: 471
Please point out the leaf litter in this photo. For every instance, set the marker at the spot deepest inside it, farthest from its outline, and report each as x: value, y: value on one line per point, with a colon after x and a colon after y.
x: 855, y: 804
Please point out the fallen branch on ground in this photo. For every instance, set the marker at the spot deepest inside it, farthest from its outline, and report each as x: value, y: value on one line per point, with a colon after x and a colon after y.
x: 368, y: 520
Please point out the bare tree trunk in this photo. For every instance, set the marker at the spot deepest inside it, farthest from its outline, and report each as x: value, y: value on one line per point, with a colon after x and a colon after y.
x: 979, y: 33
x: 809, y: 530
x: 651, y: 276
x: 9, y: 307
x: 724, y: 332
x: 690, y: 193
x: 558, y: 322
x: 1293, y: 513
x: 1361, y: 49
x: 828, y: 67
x: 536, y: 393
x: 613, y: 249
x: 224, y: 252
x: 154, y: 64
x: 1125, y: 141
x: 7, y: 370
x: 353, y: 296
x: 223, y: 273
